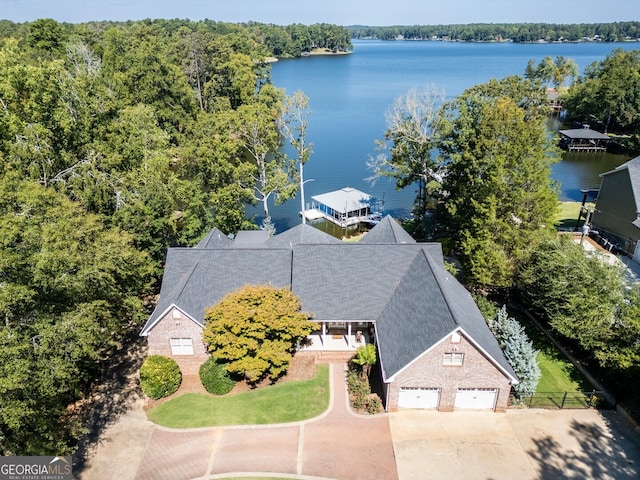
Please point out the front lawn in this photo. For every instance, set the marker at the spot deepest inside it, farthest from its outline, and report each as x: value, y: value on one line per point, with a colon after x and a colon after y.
x: 287, y: 402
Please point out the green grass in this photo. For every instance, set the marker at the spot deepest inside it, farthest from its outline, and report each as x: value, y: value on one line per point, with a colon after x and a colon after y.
x: 287, y: 402
x: 558, y: 374
x: 568, y: 214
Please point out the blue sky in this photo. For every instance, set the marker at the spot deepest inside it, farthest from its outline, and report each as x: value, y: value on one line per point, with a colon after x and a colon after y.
x: 341, y: 12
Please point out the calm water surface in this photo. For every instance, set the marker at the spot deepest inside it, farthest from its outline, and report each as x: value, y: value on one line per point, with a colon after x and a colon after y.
x: 349, y: 95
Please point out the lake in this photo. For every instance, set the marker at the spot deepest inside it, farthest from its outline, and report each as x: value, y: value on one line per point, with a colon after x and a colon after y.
x: 349, y: 95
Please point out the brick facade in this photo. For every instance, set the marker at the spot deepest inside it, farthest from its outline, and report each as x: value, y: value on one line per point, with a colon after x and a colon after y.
x: 428, y: 371
x: 177, y: 325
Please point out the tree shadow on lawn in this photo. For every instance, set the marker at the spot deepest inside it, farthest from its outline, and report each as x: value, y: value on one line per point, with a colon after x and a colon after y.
x: 603, y: 453
x: 542, y: 343
x: 114, y: 394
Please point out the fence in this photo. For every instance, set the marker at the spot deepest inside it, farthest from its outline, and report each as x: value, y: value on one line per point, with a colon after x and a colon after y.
x: 593, y: 399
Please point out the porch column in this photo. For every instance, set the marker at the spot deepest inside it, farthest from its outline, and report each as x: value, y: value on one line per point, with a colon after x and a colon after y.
x: 349, y: 333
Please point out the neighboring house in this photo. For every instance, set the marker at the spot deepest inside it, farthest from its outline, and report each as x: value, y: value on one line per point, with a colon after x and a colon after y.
x: 434, y: 346
x: 617, y: 212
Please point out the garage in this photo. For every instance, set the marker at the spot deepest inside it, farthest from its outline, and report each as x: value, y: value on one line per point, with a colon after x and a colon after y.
x: 476, y: 398
x: 418, y: 397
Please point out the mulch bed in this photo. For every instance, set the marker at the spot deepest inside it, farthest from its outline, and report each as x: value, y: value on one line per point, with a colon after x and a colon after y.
x: 302, y: 367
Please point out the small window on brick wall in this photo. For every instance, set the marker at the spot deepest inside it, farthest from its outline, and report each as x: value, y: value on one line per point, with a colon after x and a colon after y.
x: 453, y: 358
x: 181, y: 346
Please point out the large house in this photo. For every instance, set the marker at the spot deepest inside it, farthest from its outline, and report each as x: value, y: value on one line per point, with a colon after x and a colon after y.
x: 434, y: 347
x: 617, y: 214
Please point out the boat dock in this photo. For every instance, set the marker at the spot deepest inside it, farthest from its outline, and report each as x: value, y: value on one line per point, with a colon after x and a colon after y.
x: 345, y: 207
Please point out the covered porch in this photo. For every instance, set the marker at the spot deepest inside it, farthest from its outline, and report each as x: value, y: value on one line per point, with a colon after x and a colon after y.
x: 340, y: 336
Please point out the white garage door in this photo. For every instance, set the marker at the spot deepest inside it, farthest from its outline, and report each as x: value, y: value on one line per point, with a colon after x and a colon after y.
x: 476, y: 398
x: 414, y: 397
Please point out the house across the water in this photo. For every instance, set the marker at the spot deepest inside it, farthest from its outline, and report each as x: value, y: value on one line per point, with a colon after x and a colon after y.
x: 435, y: 349
x: 583, y: 140
x: 345, y: 207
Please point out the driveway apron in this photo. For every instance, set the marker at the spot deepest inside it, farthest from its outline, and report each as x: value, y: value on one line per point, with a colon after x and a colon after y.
x: 337, y: 445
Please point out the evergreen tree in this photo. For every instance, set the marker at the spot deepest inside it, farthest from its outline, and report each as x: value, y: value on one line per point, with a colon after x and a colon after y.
x: 519, y: 352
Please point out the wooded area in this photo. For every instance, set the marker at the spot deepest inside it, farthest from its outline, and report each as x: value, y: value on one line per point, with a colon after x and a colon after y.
x: 516, y: 32
x: 118, y: 140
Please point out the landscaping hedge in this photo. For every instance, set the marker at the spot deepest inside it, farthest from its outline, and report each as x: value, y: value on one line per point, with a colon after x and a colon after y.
x: 215, y: 378
x: 159, y: 376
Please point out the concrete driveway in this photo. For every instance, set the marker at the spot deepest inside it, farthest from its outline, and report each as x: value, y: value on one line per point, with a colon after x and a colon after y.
x: 521, y: 444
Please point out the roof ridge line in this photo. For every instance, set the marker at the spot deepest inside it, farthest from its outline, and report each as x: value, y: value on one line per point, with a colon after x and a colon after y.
x: 445, y: 291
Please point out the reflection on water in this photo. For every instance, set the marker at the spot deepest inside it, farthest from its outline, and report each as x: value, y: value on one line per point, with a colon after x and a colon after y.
x: 340, y: 232
x: 582, y: 170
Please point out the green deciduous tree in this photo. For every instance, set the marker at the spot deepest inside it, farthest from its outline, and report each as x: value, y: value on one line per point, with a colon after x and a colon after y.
x: 255, y: 330
x: 70, y: 294
x: 498, y: 198
x: 410, y: 144
x: 558, y: 72
x: 608, y: 94
x: 276, y: 175
x: 578, y: 294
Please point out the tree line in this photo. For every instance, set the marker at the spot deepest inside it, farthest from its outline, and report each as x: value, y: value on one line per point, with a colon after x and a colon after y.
x: 118, y: 140
x: 516, y: 32
x: 278, y: 40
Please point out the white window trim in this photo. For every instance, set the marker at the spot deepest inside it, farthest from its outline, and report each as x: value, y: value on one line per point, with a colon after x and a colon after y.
x: 453, y: 359
x: 181, y: 346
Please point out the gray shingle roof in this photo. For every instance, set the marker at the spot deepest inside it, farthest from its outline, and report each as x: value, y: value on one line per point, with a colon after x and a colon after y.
x: 303, y: 233
x: 633, y: 169
x: 195, y: 279
x: 403, y: 287
x: 214, y: 239
x: 387, y: 231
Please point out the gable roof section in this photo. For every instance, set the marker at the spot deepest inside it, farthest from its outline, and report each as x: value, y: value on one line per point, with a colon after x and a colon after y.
x: 348, y: 282
x: 416, y: 317
x: 432, y: 304
x: 632, y: 167
x: 195, y: 279
x: 387, y: 231
x: 470, y: 319
x: 214, y: 239
x: 300, y: 234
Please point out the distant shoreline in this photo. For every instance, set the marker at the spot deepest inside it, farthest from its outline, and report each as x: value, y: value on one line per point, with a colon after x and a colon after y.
x: 312, y: 53
x: 506, y: 40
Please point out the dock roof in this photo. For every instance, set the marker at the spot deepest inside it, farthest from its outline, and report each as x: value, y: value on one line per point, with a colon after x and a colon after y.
x: 345, y: 200
x: 584, y: 134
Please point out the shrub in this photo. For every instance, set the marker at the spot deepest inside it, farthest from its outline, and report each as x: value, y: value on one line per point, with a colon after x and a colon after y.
x: 215, y: 378
x: 159, y: 376
x: 361, y: 398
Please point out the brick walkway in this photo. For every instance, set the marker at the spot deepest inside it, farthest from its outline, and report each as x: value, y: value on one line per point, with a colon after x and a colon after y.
x: 337, y: 445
